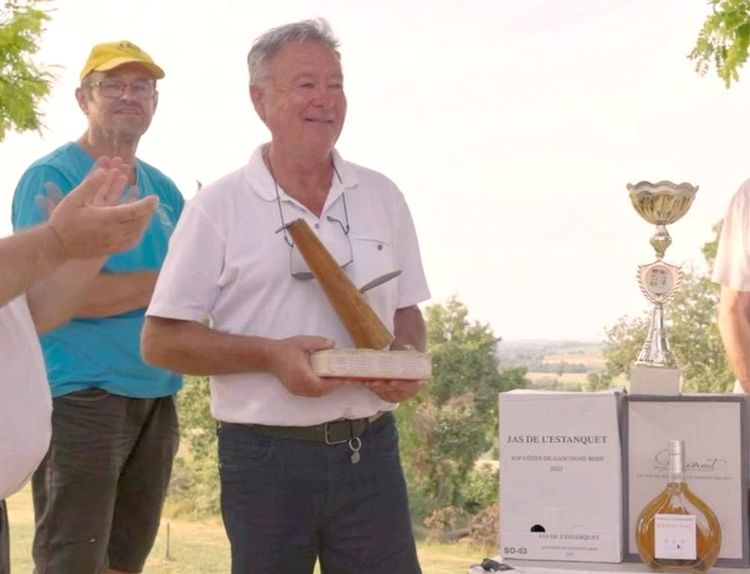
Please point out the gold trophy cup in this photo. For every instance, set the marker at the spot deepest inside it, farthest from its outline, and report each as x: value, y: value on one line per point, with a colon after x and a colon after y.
x: 655, y: 370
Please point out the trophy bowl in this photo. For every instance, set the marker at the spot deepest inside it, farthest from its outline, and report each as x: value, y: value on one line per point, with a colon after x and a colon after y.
x: 661, y: 203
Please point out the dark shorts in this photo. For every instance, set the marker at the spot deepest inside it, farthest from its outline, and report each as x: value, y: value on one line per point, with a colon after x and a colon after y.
x: 4, y: 539
x: 98, y: 494
x: 287, y: 502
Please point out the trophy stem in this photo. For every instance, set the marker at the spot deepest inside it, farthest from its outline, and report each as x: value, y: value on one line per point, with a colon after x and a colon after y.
x: 655, y: 351
x: 661, y: 240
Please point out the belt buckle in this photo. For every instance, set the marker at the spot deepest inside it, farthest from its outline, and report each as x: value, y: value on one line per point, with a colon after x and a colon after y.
x: 327, y: 432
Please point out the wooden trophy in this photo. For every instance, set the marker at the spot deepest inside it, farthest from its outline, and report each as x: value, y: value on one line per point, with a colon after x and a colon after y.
x: 371, y: 359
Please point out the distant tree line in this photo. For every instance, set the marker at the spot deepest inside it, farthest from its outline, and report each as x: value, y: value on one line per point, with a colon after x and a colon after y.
x: 559, y: 367
x: 554, y: 383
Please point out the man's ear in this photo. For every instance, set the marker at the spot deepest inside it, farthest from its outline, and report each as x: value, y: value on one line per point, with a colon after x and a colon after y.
x: 257, y: 96
x: 82, y: 100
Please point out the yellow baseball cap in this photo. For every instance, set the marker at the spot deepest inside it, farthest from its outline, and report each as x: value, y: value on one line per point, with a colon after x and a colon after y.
x: 108, y: 56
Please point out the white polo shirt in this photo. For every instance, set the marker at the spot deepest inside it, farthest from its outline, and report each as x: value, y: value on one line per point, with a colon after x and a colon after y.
x: 25, y: 400
x: 228, y: 261
x: 732, y: 266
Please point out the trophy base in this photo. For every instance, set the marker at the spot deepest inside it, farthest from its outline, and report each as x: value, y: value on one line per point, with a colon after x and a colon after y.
x: 654, y: 381
x: 364, y: 364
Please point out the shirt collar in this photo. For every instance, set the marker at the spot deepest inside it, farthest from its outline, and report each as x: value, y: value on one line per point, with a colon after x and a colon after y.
x: 261, y: 181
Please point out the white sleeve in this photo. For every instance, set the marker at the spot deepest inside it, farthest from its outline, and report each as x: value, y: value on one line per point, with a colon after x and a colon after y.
x: 188, y: 282
x: 732, y: 266
x: 25, y: 401
x: 412, y: 283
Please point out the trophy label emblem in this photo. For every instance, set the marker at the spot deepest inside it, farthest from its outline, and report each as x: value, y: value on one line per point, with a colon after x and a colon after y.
x: 659, y: 280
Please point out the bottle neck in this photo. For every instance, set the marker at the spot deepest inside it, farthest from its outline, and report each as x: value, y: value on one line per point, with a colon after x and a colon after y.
x: 677, y: 464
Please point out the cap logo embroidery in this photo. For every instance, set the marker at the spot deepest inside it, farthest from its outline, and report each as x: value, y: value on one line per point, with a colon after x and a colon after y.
x: 128, y: 46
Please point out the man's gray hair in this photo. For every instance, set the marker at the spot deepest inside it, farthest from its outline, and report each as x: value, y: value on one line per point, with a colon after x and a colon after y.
x: 266, y: 46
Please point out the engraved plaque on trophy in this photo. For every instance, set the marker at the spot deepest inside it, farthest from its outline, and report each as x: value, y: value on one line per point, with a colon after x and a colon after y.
x: 655, y: 370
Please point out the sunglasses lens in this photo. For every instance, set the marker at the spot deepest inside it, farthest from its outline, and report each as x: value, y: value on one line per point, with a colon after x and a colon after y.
x: 303, y: 275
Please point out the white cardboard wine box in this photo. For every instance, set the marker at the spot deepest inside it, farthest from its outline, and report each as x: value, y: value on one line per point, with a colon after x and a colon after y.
x: 560, y: 476
x: 714, y: 428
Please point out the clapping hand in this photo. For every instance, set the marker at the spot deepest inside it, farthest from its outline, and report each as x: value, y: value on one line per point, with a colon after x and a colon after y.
x: 98, y: 217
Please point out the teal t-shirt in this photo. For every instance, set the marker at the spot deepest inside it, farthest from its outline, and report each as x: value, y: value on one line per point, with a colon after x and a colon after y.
x: 103, y: 352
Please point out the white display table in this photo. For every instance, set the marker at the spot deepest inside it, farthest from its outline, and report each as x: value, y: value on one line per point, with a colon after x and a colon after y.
x: 542, y: 567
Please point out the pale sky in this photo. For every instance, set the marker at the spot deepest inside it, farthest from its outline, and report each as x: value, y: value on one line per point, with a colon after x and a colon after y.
x: 511, y: 126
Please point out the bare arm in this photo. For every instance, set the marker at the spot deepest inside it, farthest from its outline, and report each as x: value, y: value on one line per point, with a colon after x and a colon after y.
x: 734, y: 326
x: 409, y: 329
x: 27, y: 257
x: 53, y: 300
x: 79, y: 289
x: 115, y: 293
x: 192, y: 347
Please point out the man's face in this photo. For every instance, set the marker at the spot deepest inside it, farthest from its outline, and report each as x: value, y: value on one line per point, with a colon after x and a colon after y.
x: 301, y: 99
x: 123, y: 116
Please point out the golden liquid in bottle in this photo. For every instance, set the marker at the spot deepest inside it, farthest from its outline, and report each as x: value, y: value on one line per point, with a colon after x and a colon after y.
x: 677, y: 498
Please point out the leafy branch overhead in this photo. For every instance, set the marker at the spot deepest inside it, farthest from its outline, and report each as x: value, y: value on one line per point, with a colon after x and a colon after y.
x: 22, y: 85
x: 724, y: 39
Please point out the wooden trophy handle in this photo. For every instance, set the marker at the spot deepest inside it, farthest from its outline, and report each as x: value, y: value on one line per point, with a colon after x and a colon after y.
x: 364, y: 326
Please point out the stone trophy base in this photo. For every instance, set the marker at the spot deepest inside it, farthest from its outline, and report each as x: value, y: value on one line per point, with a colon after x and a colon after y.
x: 363, y: 364
x: 654, y: 381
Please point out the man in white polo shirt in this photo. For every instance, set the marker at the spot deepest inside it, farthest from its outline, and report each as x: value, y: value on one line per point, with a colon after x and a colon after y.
x: 44, y: 273
x: 309, y: 467
x: 732, y: 271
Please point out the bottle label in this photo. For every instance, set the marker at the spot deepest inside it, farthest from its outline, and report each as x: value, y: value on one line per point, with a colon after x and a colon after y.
x: 675, y: 536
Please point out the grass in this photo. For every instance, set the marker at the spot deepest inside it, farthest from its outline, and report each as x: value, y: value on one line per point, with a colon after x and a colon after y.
x: 590, y: 360
x: 201, y: 547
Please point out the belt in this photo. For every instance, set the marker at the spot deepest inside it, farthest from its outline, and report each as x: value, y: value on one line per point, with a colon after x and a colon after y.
x: 331, y: 432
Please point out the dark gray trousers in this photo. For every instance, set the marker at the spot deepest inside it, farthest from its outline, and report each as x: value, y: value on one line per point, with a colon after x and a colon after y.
x: 4, y: 539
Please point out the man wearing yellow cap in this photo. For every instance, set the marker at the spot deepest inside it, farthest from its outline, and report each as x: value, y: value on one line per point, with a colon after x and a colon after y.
x: 98, y: 494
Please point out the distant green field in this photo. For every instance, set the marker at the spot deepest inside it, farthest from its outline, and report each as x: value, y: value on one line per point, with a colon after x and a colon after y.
x: 589, y: 360
x: 565, y: 378
x: 201, y: 547
x: 573, y: 380
x: 591, y: 356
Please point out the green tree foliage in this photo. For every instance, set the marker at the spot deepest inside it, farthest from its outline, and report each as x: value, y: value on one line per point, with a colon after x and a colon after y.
x: 22, y: 85
x: 195, y: 481
x: 453, y: 420
x: 692, y: 331
x: 723, y: 40
x: 624, y: 341
x: 697, y: 343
